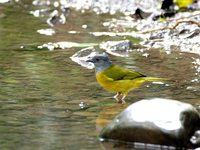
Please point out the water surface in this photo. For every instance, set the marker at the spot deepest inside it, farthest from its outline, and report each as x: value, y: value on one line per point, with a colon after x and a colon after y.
x: 41, y: 90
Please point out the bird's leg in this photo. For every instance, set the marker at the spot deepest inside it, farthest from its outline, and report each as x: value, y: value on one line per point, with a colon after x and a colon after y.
x: 117, y: 95
x: 123, y: 99
x: 120, y: 97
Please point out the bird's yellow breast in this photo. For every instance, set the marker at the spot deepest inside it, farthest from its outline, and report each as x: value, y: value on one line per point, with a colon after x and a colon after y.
x: 123, y: 86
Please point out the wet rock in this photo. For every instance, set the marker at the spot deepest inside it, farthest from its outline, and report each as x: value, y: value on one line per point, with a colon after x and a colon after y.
x: 82, y: 56
x: 196, y: 138
x: 166, y: 4
x: 56, y: 18
x: 118, y: 48
x: 156, y: 121
x: 140, y: 14
x: 184, y: 37
x: 192, y: 34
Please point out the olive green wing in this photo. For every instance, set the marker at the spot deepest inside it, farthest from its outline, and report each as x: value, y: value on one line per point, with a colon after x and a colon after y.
x: 119, y: 73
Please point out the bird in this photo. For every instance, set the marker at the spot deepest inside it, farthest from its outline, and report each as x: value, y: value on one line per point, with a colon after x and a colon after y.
x: 117, y: 79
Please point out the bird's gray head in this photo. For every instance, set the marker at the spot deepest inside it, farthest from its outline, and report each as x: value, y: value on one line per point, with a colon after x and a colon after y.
x: 100, y: 61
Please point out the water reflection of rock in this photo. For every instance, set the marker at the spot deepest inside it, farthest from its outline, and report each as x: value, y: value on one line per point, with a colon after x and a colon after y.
x: 107, y: 114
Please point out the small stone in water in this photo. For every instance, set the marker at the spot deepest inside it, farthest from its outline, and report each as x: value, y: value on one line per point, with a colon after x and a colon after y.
x: 84, y: 26
x: 83, y: 105
x: 101, y: 140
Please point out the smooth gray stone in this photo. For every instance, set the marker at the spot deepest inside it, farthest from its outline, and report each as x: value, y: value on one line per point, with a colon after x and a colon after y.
x: 156, y: 121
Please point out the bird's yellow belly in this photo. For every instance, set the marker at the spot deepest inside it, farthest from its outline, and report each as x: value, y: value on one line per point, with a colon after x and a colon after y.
x: 123, y: 86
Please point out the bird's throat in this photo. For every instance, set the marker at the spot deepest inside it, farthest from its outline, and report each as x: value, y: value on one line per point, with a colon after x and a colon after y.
x: 99, y: 69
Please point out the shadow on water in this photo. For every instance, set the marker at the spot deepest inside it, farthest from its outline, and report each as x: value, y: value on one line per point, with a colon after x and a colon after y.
x: 41, y: 91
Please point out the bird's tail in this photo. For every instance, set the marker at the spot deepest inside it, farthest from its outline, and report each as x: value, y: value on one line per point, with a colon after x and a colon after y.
x: 154, y: 79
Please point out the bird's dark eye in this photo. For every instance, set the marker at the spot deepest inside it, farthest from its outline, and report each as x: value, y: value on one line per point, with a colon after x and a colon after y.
x: 97, y: 59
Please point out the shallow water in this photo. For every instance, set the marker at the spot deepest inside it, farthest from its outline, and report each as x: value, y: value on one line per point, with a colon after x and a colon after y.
x: 42, y: 91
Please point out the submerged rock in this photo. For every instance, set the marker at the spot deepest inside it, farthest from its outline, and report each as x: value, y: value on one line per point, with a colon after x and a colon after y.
x: 156, y: 121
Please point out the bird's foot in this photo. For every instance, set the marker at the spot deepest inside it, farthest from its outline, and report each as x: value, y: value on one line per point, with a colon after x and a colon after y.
x: 120, y: 98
